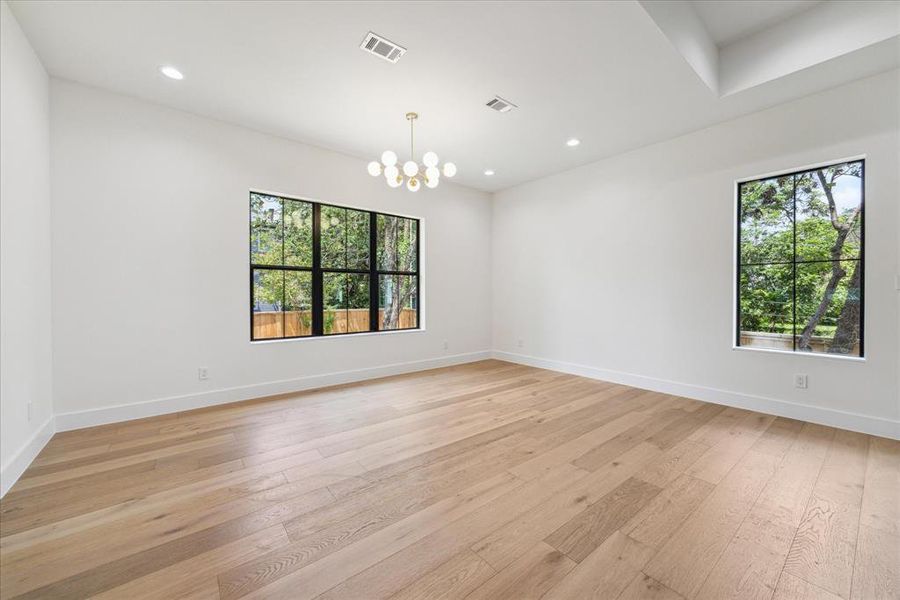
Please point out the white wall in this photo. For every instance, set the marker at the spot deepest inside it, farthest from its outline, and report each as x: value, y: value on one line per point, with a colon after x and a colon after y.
x: 150, y: 259
x: 24, y: 252
x: 623, y: 269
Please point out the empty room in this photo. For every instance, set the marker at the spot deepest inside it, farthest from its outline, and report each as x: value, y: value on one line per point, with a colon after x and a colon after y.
x: 483, y: 300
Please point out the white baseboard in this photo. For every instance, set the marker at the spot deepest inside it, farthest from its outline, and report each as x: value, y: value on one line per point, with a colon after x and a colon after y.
x: 804, y: 412
x: 161, y: 406
x: 12, y: 470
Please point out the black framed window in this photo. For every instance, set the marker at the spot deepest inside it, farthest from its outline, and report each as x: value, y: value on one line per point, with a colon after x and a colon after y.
x: 801, y: 269
x: 318, y: 269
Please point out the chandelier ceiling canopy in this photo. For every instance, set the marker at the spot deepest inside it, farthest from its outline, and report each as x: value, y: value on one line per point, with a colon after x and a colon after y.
x: 416, y: 175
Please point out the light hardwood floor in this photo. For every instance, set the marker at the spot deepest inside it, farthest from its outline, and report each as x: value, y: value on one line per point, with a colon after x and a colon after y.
x: 488, y: 480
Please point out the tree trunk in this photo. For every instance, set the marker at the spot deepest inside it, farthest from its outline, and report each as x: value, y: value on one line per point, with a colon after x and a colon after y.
x: 846, y: 335
x: 388, y: 321
x: 396, y: 229
x: 837, y: 272
x: 392, y: 311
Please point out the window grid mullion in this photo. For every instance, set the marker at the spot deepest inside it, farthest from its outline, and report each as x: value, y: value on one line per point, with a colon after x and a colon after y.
x: 794, y: 270
x: 283, y: 297
x: 790, y: 262
x: 374, y: 282
x: 318, y: 285
x: 280, y: 268
x: 283, y: 276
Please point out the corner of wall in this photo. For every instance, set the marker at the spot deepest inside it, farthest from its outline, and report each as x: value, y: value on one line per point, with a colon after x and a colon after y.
x: 492, y: 259
x: 26, y: 391
x: 13, y: 469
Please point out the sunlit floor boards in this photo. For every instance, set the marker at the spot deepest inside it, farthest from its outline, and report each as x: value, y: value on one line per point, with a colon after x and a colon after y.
x: 488, y: 480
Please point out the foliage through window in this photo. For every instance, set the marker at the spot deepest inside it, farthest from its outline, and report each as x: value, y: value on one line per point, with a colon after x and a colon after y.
x: 800, y: 261
x: 317, y: 269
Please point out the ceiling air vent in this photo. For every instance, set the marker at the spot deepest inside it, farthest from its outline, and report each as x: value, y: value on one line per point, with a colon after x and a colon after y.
x: 382, y: 48
x: 501, y: 105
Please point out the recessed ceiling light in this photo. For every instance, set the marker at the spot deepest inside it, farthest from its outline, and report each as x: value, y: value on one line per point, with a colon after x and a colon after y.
x: 572, y: 142
x: 171, y: 72
x: 489, y: 172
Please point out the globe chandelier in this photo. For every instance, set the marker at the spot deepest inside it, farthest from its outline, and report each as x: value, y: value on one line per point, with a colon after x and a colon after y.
x: 428, y: 173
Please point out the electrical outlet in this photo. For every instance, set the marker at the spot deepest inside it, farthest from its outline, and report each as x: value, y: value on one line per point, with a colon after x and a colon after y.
x: 29, y: 410
x: 202, y: 374
x: 801, y: 381
x: 446, y: 345
x: 520, y: 343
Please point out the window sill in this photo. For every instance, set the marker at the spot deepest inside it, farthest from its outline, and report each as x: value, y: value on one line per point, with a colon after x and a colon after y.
x: 336, y: 336
x: 859, y: 359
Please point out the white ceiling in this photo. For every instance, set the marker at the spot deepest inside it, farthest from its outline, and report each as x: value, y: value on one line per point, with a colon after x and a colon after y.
x: 730, y: 21
x: 600, y: 71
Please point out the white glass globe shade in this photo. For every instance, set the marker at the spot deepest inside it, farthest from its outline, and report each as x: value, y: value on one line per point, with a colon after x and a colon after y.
x: 433, y: 173
x: 430, y: 159
x: 391, y: 172
x: 413, y: 184
x: 432, y: 182
x: 410, y: 168
x: 374, y: 168
x: 449, y: 169
x: 389, y: 158
x: 395, y: 181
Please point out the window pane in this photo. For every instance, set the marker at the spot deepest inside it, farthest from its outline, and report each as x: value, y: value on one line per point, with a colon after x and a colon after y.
x: 767, y: 229
x: 345, y: 238
x: 397, y: 249
x: 297, y: 303
x: 268, y: 299
x: 334, y: 303
x: 297, y: 233
x: 767, y: 310
x: 265, y: 230
x: 346, y: 302
x: 357, y: 302
x: 829, y: 203
x: 397, y: 302
x: 828, y: 307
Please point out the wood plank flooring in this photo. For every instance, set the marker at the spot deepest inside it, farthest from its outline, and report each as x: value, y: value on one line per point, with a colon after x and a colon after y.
x: 487, y: 480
